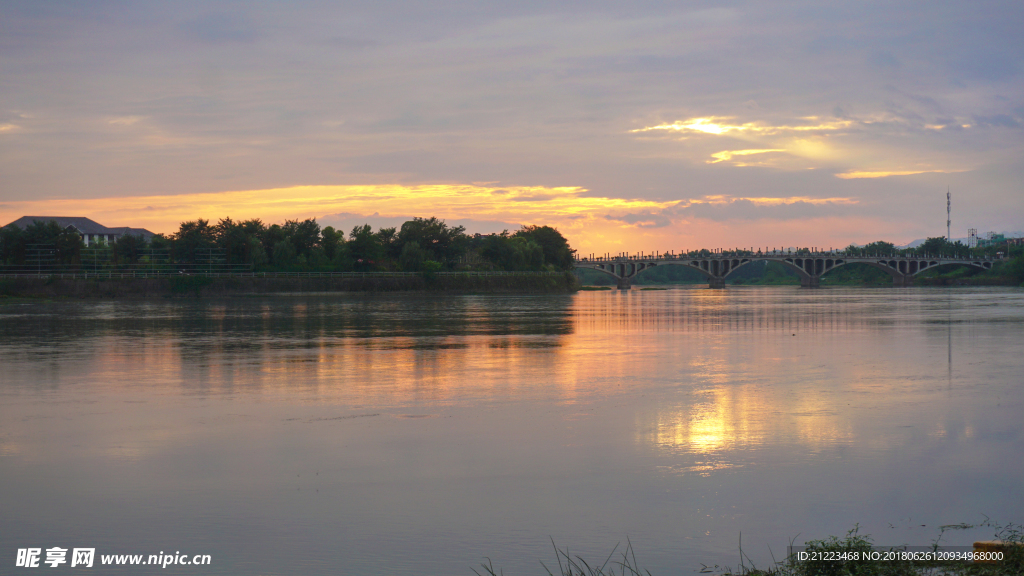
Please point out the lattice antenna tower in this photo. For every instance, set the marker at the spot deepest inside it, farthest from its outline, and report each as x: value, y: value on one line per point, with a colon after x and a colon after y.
x: 949, y: 204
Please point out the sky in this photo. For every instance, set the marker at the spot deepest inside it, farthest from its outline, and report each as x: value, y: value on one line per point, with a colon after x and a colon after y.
x: 640, y: 126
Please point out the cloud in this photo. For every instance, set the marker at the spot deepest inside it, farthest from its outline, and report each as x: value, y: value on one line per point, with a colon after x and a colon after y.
x: 723, y: 208
x: 726, y: 155
x: 643, y: 220
x: 997, y: 120
x: 125, y: 120
x: 855, y: 174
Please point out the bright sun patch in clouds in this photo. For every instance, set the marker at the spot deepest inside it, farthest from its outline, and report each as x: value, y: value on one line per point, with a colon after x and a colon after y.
x: 719, y: 125
x: 706, y: 125
x: 799, y: 144
x: 809, y: 143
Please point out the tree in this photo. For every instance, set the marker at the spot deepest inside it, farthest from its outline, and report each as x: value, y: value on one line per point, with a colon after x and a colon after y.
x: 193, y: 242
x: 934, y: 246
x: 69, y: 244
x: 330, y: 239
x: 556, y: 248
x: 285, y: 255
x: 271, y: 236
x: 342, y: 259
x: 880, y: 248
x: 1015, y: 268
x: 128, y: 248
x: 364, y: 247
x: 255, y: 251
x: 441, y: 242
x: 233, y: 240
x: 159, y: 249
x: 41, y: 243
x: 12, y: 245
x: 412, y: 257
x: 255, y: 254
x: 304, y: 235
x: 388, y: 239
x: 513, y: 253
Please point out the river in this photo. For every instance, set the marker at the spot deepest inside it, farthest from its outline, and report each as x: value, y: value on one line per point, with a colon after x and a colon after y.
x: 418, y: 434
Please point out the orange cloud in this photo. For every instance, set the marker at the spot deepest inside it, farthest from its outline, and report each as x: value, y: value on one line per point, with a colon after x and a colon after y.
x: 727, y: 155
x: 853, y: 174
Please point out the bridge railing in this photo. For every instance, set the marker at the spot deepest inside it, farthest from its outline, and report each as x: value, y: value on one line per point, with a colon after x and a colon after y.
x: 776, y: 254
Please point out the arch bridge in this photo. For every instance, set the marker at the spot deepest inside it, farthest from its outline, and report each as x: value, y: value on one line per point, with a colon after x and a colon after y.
x: 809, y: 267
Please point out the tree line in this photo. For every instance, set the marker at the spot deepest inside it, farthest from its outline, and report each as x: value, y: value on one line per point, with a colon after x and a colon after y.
x: 932, y: 247
x: 418, y: 245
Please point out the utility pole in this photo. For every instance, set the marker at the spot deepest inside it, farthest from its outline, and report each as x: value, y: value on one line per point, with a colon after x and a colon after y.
x: 949, y: 203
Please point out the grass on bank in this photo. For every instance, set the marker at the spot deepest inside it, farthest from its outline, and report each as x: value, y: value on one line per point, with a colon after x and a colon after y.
x: 853, y: 544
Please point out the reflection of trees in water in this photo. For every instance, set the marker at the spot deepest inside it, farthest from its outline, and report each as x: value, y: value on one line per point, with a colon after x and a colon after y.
x: 245, y: 322
x: 293, y: 321
x: 223, y: 343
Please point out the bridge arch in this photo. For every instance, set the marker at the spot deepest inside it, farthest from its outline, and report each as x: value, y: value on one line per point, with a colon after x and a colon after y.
x: 597, y: 269
x: 684, y: 264
x: 903, y: 269
x: 711, y: 269
x: 934, y: 265
x: 804, y: 276
x: 896, y: 275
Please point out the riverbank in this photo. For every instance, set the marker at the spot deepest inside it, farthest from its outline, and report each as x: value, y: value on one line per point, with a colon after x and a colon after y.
x: 198, y: 285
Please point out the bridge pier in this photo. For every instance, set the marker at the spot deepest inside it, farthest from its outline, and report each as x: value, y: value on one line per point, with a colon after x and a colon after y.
x: 810, y: 282
x: 623, y: 283
x: 902, y: 281
x: 716, y: 282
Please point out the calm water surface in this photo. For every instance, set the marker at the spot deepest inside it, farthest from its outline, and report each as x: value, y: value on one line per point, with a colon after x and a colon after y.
x: 349, y: 434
